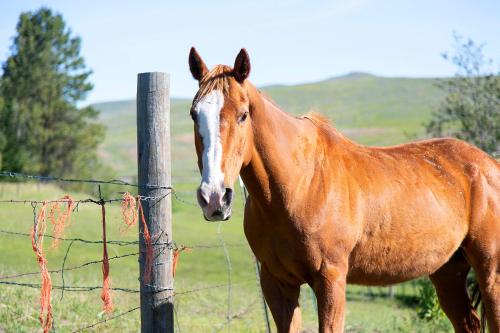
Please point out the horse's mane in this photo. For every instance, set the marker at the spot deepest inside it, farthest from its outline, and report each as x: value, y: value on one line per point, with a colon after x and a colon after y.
x: 323, y: 124
x: 316, y: 118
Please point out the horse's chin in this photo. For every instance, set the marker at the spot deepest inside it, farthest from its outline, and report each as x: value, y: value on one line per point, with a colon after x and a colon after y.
x: 217, y: 219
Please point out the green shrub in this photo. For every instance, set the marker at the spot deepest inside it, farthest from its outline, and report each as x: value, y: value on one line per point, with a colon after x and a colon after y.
x: 428, y: 304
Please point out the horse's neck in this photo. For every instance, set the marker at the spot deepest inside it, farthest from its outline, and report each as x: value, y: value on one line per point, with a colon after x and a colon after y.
x: 277, y: 137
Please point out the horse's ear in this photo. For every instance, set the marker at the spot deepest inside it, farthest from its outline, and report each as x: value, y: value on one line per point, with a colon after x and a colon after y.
x: 196, y: 65
x: 241, y: 66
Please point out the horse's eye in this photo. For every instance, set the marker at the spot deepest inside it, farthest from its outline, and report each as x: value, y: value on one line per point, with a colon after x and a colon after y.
x: 243, y: 117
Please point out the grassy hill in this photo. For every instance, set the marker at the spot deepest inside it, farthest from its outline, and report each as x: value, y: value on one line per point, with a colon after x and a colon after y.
x: 368, y: 109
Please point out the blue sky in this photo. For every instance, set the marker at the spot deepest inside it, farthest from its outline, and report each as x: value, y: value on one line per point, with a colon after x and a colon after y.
x: 289, y: 41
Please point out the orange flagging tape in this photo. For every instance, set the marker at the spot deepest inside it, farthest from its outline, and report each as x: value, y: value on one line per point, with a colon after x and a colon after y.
x: 131, y: 208
x: 60, y: 219
x: 148, y: 264
x: 175, y: 258
x: 106, y: 282
x: 37, y: 234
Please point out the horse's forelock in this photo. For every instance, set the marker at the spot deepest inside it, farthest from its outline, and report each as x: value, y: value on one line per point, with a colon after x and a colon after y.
x: 216, y: 79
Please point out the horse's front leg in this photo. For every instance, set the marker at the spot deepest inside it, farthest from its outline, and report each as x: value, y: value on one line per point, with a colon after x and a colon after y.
x: 283, y: 300
x: 329, y: 287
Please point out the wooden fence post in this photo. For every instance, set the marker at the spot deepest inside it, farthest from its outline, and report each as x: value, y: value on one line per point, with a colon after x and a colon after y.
x: 153, y: 149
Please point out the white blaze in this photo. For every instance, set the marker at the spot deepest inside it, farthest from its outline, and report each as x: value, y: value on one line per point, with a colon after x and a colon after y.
x: 208, y: 109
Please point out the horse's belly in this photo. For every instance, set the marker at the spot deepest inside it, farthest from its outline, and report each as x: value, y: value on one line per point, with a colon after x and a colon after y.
x: 388, y: 258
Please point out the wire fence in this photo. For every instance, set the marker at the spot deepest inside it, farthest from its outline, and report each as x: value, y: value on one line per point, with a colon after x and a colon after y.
x: 59, y: 211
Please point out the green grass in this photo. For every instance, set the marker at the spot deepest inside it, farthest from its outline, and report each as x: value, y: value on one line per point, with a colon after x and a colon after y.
x: 369, y: 109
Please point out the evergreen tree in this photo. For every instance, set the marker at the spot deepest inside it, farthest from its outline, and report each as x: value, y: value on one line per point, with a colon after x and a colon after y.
x: 2, y: 136
x: 43, y: 80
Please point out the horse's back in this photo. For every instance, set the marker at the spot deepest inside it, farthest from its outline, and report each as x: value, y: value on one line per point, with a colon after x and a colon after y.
x: 477, y: 169
x: 449, y: 158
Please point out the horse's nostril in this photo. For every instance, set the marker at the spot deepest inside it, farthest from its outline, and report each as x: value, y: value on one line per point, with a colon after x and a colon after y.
x: 228, y: 196
x: 201, y: 199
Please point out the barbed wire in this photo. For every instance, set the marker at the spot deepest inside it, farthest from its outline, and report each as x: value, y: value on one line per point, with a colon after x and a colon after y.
x: 174, y: 244
x: 126, y: 290
x: 240, y: 314
x: 11, y: 174
x: 82, y: 201
x: 176, y: 196
x: 182, y: 200
x: 64, y: 264
x: 54, y: 271
x: 67, y: 288
x: 80, y: 240
x: 121, y: 314
x: 229, y: 271
x: 8, y: 279
x: 210, y: 287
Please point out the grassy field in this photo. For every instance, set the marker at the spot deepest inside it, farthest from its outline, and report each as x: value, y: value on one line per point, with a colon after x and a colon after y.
x: 369, y: 109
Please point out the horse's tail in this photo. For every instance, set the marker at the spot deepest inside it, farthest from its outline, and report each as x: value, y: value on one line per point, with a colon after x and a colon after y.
x: 478, y: 303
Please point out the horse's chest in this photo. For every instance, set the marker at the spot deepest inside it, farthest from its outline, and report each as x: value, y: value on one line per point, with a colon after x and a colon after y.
x: 282, y: 252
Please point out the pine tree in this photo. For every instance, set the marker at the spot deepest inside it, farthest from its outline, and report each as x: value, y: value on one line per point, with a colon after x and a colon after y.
x: 2, y: 136
x: 43, y: 80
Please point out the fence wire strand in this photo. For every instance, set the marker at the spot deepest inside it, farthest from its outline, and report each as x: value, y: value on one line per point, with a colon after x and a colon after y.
x: 88, y: 181
x: 121, y: 314
x: 229, y: 271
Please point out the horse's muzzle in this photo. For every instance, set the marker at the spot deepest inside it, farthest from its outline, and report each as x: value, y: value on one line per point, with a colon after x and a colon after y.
x: 215, y: 203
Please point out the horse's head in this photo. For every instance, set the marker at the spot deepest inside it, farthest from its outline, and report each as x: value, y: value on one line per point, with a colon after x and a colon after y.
x: 222, y: 131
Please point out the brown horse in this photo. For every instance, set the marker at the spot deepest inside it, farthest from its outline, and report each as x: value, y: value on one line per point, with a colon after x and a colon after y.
x: 326, y: 211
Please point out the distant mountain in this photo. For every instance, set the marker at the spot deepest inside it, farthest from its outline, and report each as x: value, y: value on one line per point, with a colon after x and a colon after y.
x: 351, y: 75
x: 369, y: 109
